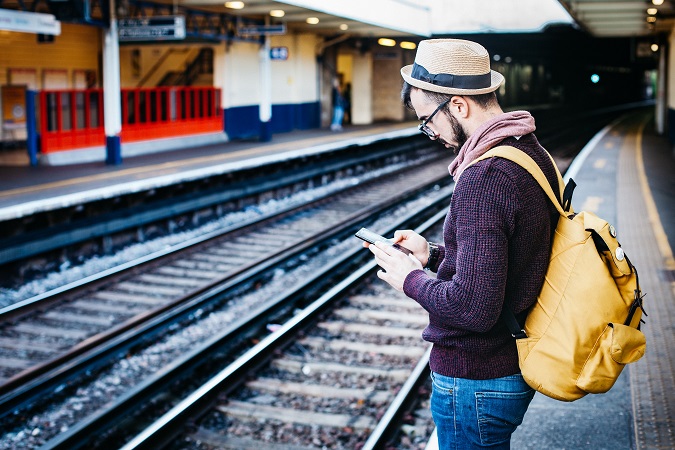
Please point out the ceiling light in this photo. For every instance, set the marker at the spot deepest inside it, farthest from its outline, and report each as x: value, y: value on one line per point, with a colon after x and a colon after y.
x: 657, y: 2
x: 408, y: 45
x: 386, y: 42
x: 312, y: 20
x: 652, y: 11
x: 655, y: 47
x: 277, y: 13
x: 651, y: 19
x: 234, y: 5
x: 344, y: 27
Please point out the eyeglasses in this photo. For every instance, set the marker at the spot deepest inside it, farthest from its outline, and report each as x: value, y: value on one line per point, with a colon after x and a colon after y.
x: 423, y: 126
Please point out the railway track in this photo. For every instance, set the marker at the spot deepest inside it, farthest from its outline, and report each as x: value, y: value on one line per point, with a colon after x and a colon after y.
x: 330, y: 387
x: 37, y: 246
x: 68, y: 375
x: 348, y: 371
x: 43, y: 328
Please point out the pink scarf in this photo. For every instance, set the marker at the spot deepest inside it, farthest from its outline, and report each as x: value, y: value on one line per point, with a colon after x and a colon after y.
x: 495, y: 130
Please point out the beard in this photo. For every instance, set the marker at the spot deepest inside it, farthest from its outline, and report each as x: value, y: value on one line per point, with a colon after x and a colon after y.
x: 460, y: 135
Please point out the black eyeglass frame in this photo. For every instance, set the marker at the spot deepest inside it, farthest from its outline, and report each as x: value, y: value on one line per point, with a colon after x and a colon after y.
x: 423, y: 126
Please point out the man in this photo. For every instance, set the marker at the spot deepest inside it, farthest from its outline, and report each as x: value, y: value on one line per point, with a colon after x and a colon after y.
x: 497, y: 241
x: 338, y: 106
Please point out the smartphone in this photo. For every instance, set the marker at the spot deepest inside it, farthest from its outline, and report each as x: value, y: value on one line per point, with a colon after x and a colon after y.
x: 371, y: 237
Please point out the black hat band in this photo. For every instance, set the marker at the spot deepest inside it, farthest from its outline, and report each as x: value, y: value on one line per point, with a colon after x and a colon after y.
x: 451, y: 81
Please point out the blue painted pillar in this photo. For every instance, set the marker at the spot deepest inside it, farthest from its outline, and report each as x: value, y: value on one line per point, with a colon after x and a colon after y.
x: 31, y: 127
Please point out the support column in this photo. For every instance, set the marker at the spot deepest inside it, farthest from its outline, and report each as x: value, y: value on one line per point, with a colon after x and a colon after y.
x: 112, y: 113
x: 265, y: 92
x: 670, y: 93
x: 661, y: 89
x: 31, y: 127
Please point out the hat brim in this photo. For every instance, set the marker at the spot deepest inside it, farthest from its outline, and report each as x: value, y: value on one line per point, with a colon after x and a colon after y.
x: 496, y: 80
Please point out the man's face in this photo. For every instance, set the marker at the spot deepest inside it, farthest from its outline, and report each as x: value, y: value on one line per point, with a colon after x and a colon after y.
x: 446, y: 127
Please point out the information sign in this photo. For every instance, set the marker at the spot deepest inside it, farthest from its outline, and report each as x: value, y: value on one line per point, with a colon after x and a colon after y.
x: 263, y: 29
x: 279, y: 53
x: 152, y: 28
x: 29, y: 22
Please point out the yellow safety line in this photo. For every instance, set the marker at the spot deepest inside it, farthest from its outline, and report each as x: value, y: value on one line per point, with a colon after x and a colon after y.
x: 652, y: 211
x: 155, y: 169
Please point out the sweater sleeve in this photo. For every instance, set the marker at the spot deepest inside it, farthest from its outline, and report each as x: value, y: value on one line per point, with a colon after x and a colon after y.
x: 483, y: 209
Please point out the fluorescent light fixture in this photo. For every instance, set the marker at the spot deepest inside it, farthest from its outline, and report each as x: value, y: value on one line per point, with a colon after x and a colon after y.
x: 652, y: 11
x: 312, y: 20
x: 344, y: 27
x: 386, y: 42
x: 408, y: 45
x: 277, y: 13
x: 234, y: 5
x: 657, y: 2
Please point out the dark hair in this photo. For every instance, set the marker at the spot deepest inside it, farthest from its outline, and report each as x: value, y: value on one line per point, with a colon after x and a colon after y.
x: 482, y: 100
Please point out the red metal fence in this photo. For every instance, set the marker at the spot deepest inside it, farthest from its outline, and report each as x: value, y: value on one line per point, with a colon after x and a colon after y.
x: 73, y: 119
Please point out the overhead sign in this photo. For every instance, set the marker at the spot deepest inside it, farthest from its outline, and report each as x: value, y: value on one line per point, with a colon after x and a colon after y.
x: 263, y: 29
x: 152, y: 28
x: 279, y: 53
x: 29, y: 22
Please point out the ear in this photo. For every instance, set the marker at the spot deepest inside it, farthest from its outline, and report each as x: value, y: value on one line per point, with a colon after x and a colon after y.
x: 460, y: 106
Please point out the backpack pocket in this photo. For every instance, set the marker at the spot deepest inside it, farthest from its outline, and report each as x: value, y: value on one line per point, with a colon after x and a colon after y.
x: 617, y: 346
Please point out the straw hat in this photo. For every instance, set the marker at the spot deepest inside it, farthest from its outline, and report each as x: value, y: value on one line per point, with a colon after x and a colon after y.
x: 452, y: 66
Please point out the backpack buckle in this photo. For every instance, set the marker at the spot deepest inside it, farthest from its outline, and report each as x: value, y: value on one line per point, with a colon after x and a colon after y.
x: 519, y: 335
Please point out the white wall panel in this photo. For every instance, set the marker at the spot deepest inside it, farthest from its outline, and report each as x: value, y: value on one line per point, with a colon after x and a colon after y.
x: 362, y: 89
x: 293, y: 80
x: 242, y: 75
x: 387, y: 63
x: 305, y: 67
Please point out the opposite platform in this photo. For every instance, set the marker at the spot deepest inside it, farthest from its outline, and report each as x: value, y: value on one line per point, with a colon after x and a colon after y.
x: 27, y: 190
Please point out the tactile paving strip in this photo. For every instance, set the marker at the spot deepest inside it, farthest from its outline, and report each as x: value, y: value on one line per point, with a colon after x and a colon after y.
x: 651, y: 378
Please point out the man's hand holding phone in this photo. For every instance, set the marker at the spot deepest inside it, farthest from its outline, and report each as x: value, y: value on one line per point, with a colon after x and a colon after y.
x: 396, y: 260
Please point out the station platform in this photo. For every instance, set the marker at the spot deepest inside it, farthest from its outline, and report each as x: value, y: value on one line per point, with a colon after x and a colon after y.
x: 25, y: 190
x: 624, y: 175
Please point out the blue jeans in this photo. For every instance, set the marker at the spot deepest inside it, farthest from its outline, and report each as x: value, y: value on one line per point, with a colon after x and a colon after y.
x: 338, y: 115
x: 472, y: 414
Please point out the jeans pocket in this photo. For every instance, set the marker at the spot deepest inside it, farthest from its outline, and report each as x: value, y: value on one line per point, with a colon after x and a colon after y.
x: 500, y: 413
x: 442, y: 383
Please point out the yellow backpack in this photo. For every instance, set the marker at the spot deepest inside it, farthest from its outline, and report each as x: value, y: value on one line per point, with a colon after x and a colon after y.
x: 584, y: 327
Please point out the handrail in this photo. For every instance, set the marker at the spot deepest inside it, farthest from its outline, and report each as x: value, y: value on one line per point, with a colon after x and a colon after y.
x: 159, y: 63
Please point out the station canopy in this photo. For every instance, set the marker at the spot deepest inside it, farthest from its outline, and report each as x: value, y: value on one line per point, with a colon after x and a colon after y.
x: 399, y: 17
x: 622, y: 18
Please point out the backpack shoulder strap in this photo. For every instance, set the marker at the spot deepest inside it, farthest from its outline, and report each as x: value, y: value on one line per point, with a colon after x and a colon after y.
x: 527, y: 163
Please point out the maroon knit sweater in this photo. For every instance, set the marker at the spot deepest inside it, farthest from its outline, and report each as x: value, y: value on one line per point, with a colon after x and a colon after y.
x: 497, y: 240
